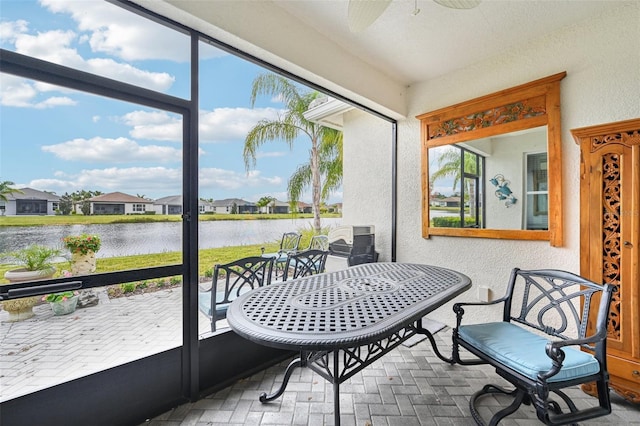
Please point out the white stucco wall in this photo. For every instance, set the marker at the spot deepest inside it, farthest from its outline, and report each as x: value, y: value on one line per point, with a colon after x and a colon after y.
x: 367, y: 176
x: 602, y: 61
x: 508, y: 159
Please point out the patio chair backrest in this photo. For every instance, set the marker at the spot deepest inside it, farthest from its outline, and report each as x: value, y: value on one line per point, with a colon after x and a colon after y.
x: 232, y: 279
x: 304, y: 263
x: 290, y: 242
x: 319, y: 242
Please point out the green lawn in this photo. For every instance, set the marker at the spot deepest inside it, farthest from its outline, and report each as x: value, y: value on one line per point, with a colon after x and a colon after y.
x: 106, y: 219
x: 208, y: 257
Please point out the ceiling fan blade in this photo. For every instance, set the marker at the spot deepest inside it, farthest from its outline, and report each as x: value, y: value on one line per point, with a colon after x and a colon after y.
x: 363, y: 13
x: 459, y: 4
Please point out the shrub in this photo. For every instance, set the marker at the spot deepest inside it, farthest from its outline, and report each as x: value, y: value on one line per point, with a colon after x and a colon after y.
x: 451, y: 222
x: 128, y: 287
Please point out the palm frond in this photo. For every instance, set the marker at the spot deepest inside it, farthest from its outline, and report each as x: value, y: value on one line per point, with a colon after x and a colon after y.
x: 265, y: 131
x: 300, y: 179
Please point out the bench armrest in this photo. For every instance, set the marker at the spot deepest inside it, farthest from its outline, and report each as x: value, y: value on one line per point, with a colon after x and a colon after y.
x: 555, y: 352
x: 459, y: 311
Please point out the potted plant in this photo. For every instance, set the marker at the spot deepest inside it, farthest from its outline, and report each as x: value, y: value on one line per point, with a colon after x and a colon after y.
x: 83, y: 250
x: 62, y: 303
x: 35, y: 263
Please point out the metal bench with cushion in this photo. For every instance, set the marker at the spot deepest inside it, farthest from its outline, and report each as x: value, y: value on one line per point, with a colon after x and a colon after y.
x: 541, y: 346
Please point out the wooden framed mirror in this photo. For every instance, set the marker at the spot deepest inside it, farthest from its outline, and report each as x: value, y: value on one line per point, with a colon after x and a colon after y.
x: 492, y: 166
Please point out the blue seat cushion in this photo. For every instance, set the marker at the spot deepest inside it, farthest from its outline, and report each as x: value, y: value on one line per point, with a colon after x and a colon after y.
x: 204, y: 303
x: 524, y: 351
x: 279, y: 257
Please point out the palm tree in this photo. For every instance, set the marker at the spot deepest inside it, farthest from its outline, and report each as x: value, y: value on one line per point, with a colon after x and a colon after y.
x: 5, y: 189
x: 265, y: 201
x: 449, y: 164
x: 326, y: 143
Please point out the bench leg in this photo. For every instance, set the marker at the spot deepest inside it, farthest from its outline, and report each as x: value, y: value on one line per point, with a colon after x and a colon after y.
x: 520, y: 397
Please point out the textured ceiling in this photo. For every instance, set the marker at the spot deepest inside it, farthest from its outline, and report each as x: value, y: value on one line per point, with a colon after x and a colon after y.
x: 311, y: 38
x: 439, y: 40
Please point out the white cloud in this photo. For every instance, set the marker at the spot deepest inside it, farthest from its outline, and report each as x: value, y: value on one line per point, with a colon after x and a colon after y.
x: 152, y: 181
x: 232, y: 124
x: 219, y: 125
x: 58, y: 46
x: 105, y: 150
x: 119, y: 33
x: 9, y: 29
x: 143, y: 180
x: 214, y: 178
x: 18, y: 92
x: 138, y: 178
x: 154, y: 125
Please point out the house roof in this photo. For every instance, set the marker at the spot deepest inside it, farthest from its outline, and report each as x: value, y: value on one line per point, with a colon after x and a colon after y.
x: 231, y: 201
x: 397, y: 51
x: 279, y: 203
x: 119, y: 197
x: 32, y: 194
x: 171, y: 199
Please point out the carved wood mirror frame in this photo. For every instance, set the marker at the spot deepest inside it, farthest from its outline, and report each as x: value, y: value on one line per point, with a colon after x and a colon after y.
x: 522, y: 107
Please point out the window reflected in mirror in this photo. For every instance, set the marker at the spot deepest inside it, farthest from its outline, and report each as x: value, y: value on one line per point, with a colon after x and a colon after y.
x: 537, y: 199
x: 457, y: 187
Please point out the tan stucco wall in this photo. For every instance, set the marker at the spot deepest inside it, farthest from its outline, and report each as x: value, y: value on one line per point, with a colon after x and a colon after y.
x: 602, y: 61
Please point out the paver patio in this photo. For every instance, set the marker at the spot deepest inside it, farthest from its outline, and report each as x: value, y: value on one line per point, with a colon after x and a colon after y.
x: 408, y: 386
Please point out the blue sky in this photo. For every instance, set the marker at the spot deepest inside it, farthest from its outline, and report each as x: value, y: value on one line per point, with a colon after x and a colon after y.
x: 58, y: 140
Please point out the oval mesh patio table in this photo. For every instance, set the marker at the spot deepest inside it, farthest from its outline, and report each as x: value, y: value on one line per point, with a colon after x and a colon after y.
x: 343, y: 321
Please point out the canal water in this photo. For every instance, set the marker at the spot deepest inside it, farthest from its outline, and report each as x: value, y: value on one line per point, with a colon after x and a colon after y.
x: 126, y: 239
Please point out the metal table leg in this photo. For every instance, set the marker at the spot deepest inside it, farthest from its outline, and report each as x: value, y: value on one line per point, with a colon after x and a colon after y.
x: 301, y: 361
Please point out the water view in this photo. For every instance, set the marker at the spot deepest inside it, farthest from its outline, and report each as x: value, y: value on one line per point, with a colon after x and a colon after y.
x: 157, y: 237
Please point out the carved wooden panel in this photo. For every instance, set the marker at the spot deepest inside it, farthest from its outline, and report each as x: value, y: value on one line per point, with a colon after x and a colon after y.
x: 499, y: 115
x: 611, y: 235
x: 625, y: 138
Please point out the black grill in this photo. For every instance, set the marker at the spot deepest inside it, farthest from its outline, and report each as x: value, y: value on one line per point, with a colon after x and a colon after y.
x: 356, y: 243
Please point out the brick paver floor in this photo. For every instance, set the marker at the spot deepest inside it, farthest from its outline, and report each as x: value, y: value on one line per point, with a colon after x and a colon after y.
x: 408, y: 386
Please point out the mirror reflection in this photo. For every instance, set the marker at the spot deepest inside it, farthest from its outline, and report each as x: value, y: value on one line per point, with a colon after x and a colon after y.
x: 499, y: 182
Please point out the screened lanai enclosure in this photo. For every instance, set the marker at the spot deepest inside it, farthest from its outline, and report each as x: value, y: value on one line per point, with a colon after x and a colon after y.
x: 160, y: 110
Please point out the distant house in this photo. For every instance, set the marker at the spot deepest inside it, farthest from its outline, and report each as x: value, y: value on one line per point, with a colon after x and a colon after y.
x: 168, y: 205
x: 205, y: 207
x: 304, y: 207
x: 119, y: 203
x: 446, y: 202
x: 234, y: 205
x: 335, y: 208
x: 30, y: 202
x: 275, y: 207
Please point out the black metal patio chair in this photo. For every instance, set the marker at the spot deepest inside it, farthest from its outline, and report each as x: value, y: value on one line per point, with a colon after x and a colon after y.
x: 229, y: 281
x: 308, y: 262
x: 288, y: 244
x: 319, y: 242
